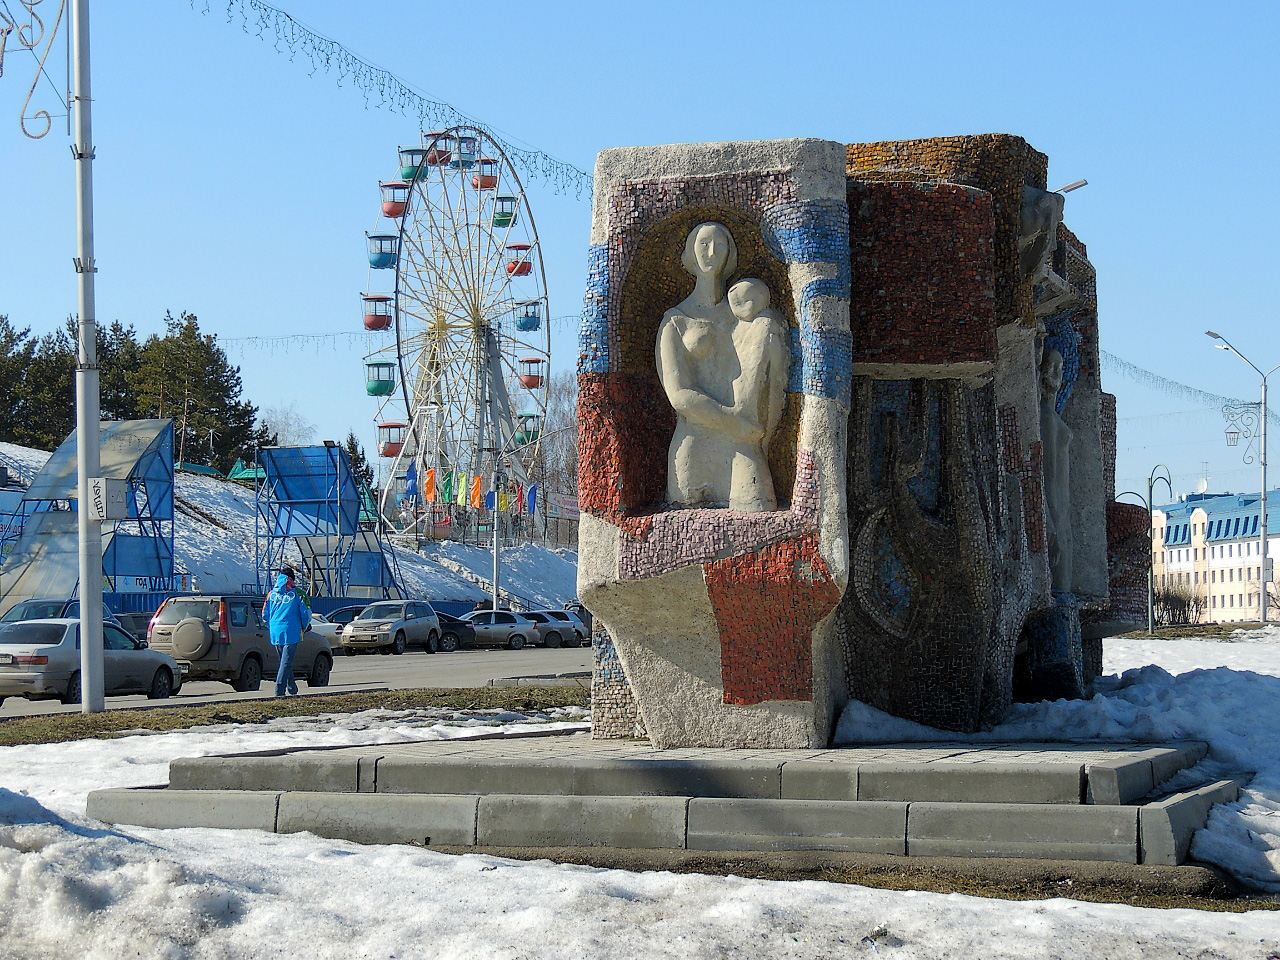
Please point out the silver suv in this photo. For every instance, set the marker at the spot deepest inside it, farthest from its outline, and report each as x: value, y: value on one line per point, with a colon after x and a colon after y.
x: 391, y: 625
x: 223, y: 637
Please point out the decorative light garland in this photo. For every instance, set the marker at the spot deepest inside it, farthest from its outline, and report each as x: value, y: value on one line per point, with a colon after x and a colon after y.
x: 383, y: 87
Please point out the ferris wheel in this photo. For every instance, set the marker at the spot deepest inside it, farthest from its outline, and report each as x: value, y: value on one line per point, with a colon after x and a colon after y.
x: 462, y: 375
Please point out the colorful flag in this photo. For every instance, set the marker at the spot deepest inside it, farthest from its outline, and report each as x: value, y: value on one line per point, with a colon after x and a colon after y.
x: 519, y: 498
x: 488, y: 500
x: 446, y: 487
x: 429, y: 486
x: 477, y: 494
x: 533, y: 497
x: 504, y: 501
x: 462, y: 489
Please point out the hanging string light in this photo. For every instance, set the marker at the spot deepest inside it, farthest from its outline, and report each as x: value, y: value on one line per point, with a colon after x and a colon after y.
x: 383, y: 88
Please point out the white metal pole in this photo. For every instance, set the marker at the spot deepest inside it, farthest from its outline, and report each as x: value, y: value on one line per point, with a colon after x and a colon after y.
x: 87, y: 403
x: 1262, y: 524
x: 494, y: 520
x: 1151, y: 568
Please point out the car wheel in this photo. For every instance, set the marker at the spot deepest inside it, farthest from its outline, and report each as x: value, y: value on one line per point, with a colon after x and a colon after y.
x: 320, y: 672
x: 573, y: 641
x: 553, y: 639
x: 399, y: 644
x: 433, y: 642
x: 350, y: 651
x: 515, y: 642
x: 250, y: 678
x: 161, y: 685
x: 73, y: 689
x: 448, y: 643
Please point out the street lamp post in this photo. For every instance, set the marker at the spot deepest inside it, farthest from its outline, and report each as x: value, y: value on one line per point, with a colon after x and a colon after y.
x: 1147, y: 501
x: 1264, y: 577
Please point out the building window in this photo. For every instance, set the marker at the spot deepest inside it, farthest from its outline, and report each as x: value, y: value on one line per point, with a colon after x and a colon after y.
x: 1215, y: 602
x: 1231, y: 600
x: 1213, y: 576
x: 1197, y: 579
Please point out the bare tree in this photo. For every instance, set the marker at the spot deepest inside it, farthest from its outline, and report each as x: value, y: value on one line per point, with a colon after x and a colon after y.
x: 555, y: 469
x: 290, y: 428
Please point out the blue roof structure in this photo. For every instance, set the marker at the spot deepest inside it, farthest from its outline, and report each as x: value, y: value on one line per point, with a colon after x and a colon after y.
x: 1230, y: 516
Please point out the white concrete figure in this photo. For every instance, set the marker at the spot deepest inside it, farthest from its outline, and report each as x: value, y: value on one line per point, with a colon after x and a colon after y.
x: 1055, y: 437
x: 723, y: 364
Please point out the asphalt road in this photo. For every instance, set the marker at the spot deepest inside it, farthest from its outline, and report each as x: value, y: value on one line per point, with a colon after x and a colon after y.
x: 416, y: 668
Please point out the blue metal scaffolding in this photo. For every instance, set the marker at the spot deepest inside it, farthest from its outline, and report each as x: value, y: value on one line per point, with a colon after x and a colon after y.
x: 310, y: 496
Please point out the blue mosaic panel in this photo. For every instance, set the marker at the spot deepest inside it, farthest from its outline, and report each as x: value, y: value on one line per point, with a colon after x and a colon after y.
x: 814, y: 231
x: 894, y: 396
x: 1061, y: 336
x: 892, y: 585
x: 821, y: 361
x: 593, y: 333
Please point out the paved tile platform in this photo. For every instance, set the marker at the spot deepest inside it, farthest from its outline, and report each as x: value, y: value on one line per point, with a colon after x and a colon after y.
x: 1082, y: 801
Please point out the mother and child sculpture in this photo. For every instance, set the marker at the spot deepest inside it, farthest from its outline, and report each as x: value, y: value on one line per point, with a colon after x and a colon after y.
x: 723, y: 360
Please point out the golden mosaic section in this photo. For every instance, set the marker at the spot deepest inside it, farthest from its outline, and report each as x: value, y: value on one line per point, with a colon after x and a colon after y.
x: 999, y: 163
x: 657, y: 281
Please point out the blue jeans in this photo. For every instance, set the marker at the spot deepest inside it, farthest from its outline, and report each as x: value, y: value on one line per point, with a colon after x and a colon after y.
x: 284, y: 676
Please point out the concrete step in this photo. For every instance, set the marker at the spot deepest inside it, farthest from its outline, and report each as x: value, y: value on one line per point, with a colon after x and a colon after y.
x: 1045, y: 801
x: 576, y: 766
x: 1156, y: 833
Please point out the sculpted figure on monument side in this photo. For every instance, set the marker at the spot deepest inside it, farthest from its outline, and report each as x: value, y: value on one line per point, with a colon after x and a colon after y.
x: 1055, y: 435
x: 722, y: 361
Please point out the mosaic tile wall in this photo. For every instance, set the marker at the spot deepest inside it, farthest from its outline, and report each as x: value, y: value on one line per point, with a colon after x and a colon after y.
x: 944, y: 509
x: 764, y: 573
x: 938, y: 584
x: 614, y: 713
x: 997, y: 163
x: 922, y: 253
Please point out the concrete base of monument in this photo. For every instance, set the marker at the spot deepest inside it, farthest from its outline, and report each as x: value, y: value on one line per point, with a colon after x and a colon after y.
x: 1059, y: 801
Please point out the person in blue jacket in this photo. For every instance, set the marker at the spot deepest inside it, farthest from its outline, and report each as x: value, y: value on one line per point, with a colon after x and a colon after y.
x: 285, y: 612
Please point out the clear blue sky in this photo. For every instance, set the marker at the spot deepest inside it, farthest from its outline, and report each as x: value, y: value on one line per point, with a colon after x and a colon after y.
x: 231, y: 184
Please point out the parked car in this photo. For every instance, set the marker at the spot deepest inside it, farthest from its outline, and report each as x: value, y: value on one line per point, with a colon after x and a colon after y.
x: 557, y: 627
x: 48, y: 608
x: 40, y: 660
x: 455, y: 633
x: 344, y: 615
x: 501, y: 628
x: 391, y: 625
x: 223, y: 637
x: 327, y: 628
x: 135, y: 624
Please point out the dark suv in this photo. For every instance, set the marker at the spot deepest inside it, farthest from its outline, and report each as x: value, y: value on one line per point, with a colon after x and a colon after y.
x: 223, y: 637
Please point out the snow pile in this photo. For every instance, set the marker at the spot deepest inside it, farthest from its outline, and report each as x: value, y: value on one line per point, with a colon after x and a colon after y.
x: 73, y: 888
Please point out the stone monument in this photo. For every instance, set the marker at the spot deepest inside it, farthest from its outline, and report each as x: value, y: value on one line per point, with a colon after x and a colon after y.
x: 842, y: 438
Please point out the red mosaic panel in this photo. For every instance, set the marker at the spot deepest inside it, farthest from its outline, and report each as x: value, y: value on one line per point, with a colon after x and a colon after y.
x: 923, y: 273
x: 765, y: 606
x: 624, y: 427
x: 1030, y: 474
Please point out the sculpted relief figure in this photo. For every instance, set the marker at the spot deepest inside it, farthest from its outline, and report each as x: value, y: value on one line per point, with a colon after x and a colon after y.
x: 1056, y: 437
x: 723, y: 361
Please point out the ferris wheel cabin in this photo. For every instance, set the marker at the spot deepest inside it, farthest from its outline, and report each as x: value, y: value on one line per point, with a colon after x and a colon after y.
x: 380, y: 378
x: 412, y: 160
x: 391, y: 438
x: 377, y: 311
x: 528, y: 316
x: 395, y: 198
x: 465, y: 153
x: 487, y: 176
x: 531, y: 375
x: 504, y: 211
x: 384, y: 248
x: 519, y: 264
x: 529, y: 429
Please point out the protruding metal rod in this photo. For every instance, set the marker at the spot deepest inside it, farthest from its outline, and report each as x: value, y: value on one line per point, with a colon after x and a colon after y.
x: 88, y: 460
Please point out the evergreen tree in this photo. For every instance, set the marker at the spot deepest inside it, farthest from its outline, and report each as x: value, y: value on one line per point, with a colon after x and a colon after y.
x: 186, y: 375
x: 16, y: 350
x: 360, y: 468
